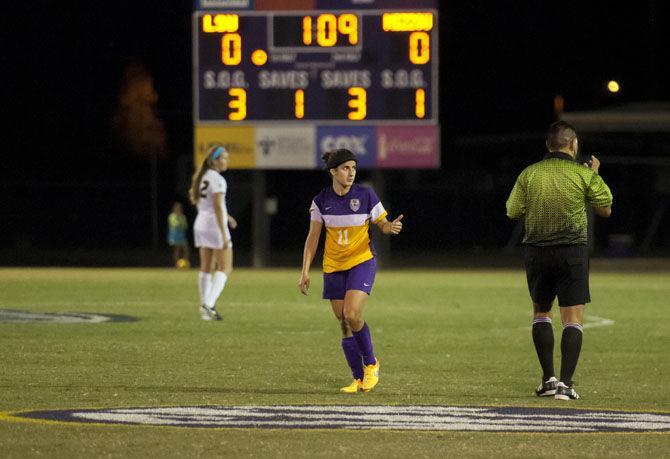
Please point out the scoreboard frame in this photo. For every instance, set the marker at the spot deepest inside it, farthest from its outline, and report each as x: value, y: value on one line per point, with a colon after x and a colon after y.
x: 434, y: 65
x: 275, y: 136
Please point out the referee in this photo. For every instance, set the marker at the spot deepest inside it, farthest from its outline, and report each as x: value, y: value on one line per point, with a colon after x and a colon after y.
x: 553, y: 195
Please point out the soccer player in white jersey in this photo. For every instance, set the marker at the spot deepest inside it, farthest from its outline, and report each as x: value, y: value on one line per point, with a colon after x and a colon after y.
x: 346, y: 209
x: 211, y: 234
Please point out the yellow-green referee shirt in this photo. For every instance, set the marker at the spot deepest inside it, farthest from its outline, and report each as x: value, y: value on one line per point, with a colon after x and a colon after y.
x: 553, y: 195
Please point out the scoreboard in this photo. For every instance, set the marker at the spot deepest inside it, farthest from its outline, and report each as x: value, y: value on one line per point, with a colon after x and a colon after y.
x: 280, y: 87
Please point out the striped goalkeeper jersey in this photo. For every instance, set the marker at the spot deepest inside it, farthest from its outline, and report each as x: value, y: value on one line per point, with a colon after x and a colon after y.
x: 347, y: 220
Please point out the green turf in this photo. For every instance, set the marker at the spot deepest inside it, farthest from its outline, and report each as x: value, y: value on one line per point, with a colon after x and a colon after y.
x: 443, y: 337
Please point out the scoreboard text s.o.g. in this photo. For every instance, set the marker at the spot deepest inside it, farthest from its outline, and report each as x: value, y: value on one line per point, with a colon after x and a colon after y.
x: 316, y: 68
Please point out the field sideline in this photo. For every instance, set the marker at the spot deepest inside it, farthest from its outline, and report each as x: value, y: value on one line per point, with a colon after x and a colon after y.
x: 452, y: 337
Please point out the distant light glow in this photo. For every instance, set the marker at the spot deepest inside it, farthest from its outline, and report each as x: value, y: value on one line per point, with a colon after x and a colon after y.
x: 559, y: 105
x: 613, y: 86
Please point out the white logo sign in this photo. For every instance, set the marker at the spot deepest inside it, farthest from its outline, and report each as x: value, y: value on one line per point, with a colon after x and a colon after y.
x: 354, y: 143
x: 355, y: 204
x: 285, y: 147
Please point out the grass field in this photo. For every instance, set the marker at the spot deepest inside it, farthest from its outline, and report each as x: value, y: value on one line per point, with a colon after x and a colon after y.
x: 443, y: 337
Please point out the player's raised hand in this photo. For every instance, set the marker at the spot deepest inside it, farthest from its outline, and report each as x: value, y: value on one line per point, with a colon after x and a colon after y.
x: 396, y: 225
x: 304, y: 283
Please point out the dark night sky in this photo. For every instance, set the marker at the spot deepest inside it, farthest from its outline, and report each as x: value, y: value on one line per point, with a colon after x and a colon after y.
x: 501, y: 63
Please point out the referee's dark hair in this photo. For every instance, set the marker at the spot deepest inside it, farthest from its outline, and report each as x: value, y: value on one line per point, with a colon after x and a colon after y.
x: 560, y: 135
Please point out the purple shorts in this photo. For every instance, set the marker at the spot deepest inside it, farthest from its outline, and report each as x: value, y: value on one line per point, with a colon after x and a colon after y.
x: 360, y: 277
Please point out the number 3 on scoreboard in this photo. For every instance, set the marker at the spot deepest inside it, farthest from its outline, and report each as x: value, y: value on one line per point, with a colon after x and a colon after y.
x: 358, y: 102
x: 238, y: 103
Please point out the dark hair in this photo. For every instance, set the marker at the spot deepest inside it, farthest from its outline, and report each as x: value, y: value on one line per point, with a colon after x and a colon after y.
x: 336, y: 157
x: 560, y: 135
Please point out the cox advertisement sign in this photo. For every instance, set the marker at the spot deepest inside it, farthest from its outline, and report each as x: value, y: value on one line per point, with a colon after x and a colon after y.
x: 361, y: 140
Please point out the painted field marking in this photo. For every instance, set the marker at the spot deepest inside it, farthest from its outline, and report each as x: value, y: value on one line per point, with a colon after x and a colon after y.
x: 589, y: 322
x: 367, y: 417
x: 595, y: 321
x: 16, y: 316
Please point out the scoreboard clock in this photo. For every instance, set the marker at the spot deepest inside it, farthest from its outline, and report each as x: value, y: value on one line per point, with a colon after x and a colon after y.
x: 332, y: 74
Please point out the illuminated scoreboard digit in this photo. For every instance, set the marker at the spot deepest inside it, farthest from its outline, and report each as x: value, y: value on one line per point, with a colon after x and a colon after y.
x: 352, y: 66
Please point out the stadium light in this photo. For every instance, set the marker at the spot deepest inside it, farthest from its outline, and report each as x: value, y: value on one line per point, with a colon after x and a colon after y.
x: 613, y: 86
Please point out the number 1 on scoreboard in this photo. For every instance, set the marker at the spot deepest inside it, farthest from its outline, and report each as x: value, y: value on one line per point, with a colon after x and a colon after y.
x: 299, y: 103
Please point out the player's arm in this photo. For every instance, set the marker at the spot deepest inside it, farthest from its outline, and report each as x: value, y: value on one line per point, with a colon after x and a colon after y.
x: 311, y: 244
x: 218, y: 211
x: 388, y: 227
x: 232, y: 222
x: 599, y: 194
x: 516, y: 203
x: 604, y: 212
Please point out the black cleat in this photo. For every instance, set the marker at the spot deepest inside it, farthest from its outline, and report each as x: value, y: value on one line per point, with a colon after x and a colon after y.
x: 215, y: 315
x: 547, y: 387
x: 564, y: 392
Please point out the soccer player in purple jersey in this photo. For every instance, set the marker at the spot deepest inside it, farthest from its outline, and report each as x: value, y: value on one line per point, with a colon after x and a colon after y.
x: 346, y: 209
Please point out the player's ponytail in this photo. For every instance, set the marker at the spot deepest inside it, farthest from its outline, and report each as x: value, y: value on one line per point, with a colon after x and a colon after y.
x: 194, y: 191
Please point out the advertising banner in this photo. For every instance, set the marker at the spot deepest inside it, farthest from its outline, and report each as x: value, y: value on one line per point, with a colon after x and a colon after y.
x: 359, y: 139
x: 238, y: 140
x: 408, y: 147
x: 285, y: 147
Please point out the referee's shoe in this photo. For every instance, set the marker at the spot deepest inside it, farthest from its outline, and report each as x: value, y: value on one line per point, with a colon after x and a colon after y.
x: 547, y: 387
x: 564, y: 392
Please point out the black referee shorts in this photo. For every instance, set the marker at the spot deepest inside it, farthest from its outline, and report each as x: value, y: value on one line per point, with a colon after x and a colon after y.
x: 559, y: 270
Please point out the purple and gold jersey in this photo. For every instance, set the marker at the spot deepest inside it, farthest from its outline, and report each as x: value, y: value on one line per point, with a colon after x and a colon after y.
x: 347, y: 221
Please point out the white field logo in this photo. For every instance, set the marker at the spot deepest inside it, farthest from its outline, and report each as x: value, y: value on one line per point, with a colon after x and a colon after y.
x: 491, y: 419
x: 15, y: 316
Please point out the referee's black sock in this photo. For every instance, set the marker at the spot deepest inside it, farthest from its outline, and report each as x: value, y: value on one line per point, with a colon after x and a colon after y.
x: 543, y: 338
x: 571, y: 345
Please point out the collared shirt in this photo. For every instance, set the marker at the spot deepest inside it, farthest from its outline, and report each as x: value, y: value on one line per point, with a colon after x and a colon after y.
x: 347, y: 220
x: 553, y: 195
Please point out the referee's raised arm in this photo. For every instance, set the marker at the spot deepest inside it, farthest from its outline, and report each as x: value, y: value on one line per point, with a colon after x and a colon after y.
x: 600, y: 197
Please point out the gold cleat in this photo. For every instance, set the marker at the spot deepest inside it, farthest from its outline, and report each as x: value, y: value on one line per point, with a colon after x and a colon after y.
x: 352, y: 388
x: 370, y: 376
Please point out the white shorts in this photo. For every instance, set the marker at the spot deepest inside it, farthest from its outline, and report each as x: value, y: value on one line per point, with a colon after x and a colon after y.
x: 207, y: 234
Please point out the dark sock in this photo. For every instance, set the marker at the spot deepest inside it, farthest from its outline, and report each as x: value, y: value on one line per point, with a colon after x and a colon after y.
x: 353, y: 356
x: 365, y: 345
x: 543, y: 338
x: 571, y: 345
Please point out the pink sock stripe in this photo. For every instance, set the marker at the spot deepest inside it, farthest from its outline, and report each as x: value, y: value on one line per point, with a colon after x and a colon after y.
x: 542, y: 320
x: 574, y: 325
